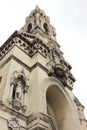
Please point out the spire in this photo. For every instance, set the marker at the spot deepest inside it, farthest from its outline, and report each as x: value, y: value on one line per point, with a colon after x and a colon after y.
x: 37, y: 8
x: 40, y: 22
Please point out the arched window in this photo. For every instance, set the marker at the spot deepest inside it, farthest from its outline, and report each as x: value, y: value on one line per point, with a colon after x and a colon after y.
x: 29, y: 27
x: 45, y: 26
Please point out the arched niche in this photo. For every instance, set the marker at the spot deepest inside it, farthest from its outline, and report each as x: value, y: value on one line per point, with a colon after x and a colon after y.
x: 19, y: 89
x: 62, y: 105
x: 29, y: 27
x: 45, y: 26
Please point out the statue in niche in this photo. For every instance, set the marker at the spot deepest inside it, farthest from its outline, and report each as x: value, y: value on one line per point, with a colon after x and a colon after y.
x: 20, y: 85
x: 18, y: 88
x: 52, y: 54
x: 17, y: 94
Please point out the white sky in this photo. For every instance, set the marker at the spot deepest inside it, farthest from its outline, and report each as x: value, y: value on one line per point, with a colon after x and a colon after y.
x: 69, y: 17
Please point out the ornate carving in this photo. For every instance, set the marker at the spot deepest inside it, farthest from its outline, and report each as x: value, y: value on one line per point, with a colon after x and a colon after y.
x: 13, y: 123
x: 20, y: 80
x: 24, y: 40
x: 16, y: 104
x: 63, y: 74
x: 60, y: 73
x: 24, y: 108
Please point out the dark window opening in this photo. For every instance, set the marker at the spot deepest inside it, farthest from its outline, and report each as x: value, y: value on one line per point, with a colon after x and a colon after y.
x: 13, y: 95
x: 10, y: 128
x: 29, y: 27
x: 0, y: 78
x: 45, y: 26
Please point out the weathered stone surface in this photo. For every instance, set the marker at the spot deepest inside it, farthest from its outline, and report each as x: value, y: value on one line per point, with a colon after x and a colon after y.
x: 36, y: 81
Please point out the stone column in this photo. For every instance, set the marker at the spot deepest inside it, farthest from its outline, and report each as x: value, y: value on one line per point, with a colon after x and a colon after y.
x: 11, y: 92
x: 24, y: 107
x: 25, y: 98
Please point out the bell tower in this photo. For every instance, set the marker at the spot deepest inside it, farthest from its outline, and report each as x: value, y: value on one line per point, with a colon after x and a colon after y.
x: 37, y: 23
x: 36, y: 82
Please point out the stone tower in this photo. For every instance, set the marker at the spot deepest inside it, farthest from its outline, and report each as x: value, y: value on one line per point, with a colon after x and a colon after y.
x: 35, y: 81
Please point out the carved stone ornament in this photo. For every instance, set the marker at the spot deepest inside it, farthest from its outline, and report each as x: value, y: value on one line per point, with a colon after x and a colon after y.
x: 13, y: 124
x: 59, y: 71
x: 16, y: 104
x: 61, y: 74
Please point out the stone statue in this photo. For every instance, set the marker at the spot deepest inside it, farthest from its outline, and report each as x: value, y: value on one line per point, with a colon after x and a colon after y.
x: 18, y: 92
x: 52, y: 53
x: 19, y: 87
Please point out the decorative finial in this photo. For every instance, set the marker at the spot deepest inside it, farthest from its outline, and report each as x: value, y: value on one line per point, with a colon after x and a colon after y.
x: 37, y: 7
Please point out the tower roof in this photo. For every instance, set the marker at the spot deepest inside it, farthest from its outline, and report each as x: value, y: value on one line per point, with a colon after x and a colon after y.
x: 38, y: 11
x: 39, y: 23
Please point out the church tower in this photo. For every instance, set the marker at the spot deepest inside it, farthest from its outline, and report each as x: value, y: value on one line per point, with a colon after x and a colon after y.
x: 36, y: 82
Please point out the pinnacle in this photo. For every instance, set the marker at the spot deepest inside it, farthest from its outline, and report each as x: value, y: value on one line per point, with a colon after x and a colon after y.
x: 37, y: 7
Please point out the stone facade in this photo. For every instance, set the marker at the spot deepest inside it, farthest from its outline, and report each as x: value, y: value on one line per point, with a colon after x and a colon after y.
x: 36, y: 82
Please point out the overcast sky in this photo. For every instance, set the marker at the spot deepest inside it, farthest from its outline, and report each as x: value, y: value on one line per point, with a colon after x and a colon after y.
x: 69, y: 17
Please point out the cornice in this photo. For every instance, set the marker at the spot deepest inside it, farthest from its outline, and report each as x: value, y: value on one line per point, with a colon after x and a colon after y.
x: 27, y: 42
x: 31, y: 45
x: 24, y: 44
x: 37, y: 64
x: 8, y: 40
